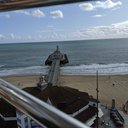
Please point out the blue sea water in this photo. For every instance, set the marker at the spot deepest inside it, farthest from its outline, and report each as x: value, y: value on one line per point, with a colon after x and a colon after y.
x: 108, y: 56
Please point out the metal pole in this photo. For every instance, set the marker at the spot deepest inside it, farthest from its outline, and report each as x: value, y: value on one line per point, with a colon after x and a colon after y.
x: 36, y: 109
x: 97, y: 91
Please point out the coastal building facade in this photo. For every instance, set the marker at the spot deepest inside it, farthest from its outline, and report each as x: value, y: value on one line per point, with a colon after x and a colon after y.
x: 24, y: 121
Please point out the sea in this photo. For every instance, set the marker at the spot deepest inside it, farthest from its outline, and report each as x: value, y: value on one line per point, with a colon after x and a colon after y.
x: 86, y: 57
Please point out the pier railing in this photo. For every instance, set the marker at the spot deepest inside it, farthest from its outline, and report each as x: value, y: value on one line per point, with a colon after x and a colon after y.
x: 36, y: 109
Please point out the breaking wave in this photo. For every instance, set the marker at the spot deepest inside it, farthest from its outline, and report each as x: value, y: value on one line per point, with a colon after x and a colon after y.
x: 103, y: 69
x: 2, y: 66
x: 34, y: 70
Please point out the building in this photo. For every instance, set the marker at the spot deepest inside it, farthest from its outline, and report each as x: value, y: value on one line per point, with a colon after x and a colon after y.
x: 7, y: 115
x: 71, y: 101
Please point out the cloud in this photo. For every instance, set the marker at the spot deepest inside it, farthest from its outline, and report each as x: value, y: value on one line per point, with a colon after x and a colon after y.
x: 50, y: 26
x: 12, y: 36
x: 7, y: 16
x: 56, y: 14
x: 108, y: 4
x: 117, y: 30
x: 38, y: 13
x: 2, y: 37
x: 50, y: 30
x: 35, y: 13
x: 87, y: 7
x: 98, y: 15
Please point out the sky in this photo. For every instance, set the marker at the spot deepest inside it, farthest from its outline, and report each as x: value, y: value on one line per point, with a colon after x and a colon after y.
x: 79, y: 21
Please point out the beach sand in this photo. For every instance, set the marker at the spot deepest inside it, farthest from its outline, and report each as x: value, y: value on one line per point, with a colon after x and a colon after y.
x: 109, y: 86
x: 22, y: 81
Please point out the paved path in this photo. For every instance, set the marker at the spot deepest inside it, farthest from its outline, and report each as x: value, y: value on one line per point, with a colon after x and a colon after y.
x: 108, y: 123
x: 125, y: 116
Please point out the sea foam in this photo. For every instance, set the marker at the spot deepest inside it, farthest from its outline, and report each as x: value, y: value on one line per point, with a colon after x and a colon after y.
x: 2, y: 66
x: 33, y: 70
x: 103, y: 69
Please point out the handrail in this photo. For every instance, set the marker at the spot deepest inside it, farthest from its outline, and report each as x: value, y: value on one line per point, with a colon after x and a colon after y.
x: 41, y: 112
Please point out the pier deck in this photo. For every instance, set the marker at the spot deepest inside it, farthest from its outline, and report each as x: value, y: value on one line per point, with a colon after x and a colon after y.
x: 54, y: 72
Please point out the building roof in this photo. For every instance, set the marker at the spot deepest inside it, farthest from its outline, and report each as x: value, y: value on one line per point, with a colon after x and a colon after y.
x: 7, y: 124
x: 86, y: 114
x: 67, y: 99
x: 6, y: 109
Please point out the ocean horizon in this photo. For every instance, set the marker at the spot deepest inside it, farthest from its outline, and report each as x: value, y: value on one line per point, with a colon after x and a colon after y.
x: 107, y: 56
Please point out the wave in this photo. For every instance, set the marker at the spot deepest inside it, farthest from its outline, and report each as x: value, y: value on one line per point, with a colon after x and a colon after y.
x: 103, y: 69
x: 2, y: 66
x: 33, y: 70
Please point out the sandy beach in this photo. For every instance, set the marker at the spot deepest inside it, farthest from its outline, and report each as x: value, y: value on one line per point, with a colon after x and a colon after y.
x: 109, y: 86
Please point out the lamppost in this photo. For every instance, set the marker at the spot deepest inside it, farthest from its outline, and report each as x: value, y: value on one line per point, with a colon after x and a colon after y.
x: 97, y: 91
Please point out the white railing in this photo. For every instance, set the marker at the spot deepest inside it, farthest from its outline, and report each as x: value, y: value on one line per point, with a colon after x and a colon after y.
x: 41, y: 112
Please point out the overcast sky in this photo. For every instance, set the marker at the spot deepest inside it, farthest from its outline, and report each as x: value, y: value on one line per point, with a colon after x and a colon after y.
x: 89, y: 20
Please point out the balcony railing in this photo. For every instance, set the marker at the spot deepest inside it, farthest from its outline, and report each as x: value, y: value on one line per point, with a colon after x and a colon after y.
x: 41, y: 112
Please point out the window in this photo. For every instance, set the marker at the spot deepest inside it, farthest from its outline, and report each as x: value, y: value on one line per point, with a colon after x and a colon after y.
x: 26, y: 122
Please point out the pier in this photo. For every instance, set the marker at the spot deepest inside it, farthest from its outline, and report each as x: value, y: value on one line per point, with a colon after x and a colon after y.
x: 55, y: 60
x: 54, y: 72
